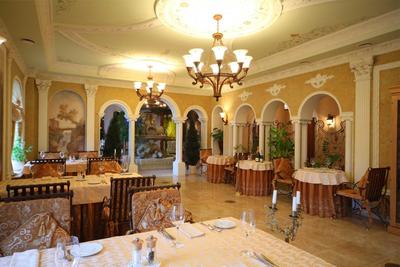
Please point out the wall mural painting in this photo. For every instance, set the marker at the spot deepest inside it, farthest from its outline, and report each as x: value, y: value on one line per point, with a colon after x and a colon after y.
x: 66, y: 122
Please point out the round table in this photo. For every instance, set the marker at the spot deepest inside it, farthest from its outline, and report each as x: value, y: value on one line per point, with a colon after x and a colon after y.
x: 318, y: 187
x: 254, y: 178
x: 215, y: 168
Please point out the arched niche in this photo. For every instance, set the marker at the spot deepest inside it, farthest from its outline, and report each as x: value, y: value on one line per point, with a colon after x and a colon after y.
x: 276, y: 110
x: 216, y: 122
x: 67, y: 122
x: 18, y: 121
x: 246, y: 137
x: 203, y: 118
x: 320, y: 117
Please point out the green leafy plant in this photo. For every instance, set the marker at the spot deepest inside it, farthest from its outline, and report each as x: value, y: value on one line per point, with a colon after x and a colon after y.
x: 217, y: 134
x: 280, y: 143
x: 332, y: 159
x: 192, y: 145
x: 18, y: 151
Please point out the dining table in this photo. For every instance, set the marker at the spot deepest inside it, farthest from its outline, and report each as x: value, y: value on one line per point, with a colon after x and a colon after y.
x: 254, y: 178
x: 87, y: 201
x: 229, y: 247
x: 318, y: 187
x: 216, y: 168
x: 71, y: 166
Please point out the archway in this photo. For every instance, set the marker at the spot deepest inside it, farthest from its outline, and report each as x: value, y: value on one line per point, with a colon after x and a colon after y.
x: 322, y: 131
x: 216, y: 123
x: 245, y: 132
x: 17, y: 131
x: 203, y: 119
x: 275, y: 113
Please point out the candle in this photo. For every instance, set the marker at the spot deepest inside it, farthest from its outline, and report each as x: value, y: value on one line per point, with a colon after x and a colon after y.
x: 298, y: 197
x: 294, y: 205
x: 274, y: 197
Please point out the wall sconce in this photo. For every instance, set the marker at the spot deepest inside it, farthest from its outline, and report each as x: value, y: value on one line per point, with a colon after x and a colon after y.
x: 285, y: 106
x: 330, y: 120
x: 224, y: 117
x: 2, y: 40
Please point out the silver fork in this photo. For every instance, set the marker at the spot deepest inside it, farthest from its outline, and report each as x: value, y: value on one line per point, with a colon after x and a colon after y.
x: 210, y: 227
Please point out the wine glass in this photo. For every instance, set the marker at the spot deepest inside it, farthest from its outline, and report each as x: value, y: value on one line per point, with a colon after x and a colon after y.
x: 60, y: 170
x: 100, y: 153
x: 177, y: 217
x: 42, y: 154
x: 101, y: 167
x: 248, y: 222
x: 75, y: 250
x: 62, y: 155
x: 60, y: 255
x: 125, y: 163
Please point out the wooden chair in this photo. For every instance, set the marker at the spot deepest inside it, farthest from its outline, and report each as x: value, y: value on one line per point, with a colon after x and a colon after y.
x: 35, y: 191
x: 109, y: 164
x: 369, y: 192
x: 42, y: 214
x: 204, y: 154
x: 230, y: 171
x: 116, y: 208
x: 46, y: 167
x: 283, y: 172
x: 150, y: 207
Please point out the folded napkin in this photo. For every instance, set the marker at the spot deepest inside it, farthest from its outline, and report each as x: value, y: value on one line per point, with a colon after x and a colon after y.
x: 28, y: 258
x: 190, y: 231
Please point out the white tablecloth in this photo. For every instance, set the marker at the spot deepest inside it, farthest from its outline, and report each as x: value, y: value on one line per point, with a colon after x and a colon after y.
x: 218, y: 159
x: 213, y: 249
x: 254, y: 165
x: 322, y: 176
x: 85, y: 192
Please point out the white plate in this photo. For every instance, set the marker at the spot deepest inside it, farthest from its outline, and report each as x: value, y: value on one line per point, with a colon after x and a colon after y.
x: 87, y: 249
x: 224, y: 224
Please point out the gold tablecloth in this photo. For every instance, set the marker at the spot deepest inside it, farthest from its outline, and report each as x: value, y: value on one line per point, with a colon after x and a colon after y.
x: 254, y: 183
x: 213, y: 249
x: 215, y: 173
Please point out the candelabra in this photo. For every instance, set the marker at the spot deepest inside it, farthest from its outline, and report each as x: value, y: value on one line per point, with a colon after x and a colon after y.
x: 289, y: 231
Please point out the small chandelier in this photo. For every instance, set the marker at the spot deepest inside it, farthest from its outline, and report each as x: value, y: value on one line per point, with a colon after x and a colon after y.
x: 217, y: 78
x: 150, y: 96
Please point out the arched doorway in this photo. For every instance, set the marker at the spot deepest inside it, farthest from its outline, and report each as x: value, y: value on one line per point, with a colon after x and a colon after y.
x: 245, y: 132
x: 322, y: 132
x: 216, y: 123
x: 17, y: 131
x: 202, y: 118
x: 275, y: 113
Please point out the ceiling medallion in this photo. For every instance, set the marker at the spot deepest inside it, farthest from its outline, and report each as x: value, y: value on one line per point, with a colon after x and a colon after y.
x: 217, y: 78
x: 241, y: 17
x: 151, y: 98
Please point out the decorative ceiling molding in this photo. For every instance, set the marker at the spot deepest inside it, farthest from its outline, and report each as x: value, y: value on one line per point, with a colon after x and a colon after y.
x: 14, y: 53
x: 275, y: 89
x: 319, y: 80
x: 141, y: 26
x: 245, y: 95
x: 289, y: 5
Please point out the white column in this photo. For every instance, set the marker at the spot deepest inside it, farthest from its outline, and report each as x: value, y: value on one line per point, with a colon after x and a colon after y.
x: 43, y: 136
x: 261, y: 140
x: 304, y: 130
x: 179, y: 166
x: 132, y: 166
x: 268, y: 126
x: 234, y: 137
x: 240, y: 135
x: 297, y: 143
x: 90, y: 115
x: 204, y: 133
x: 362, y: 72
x: 348, y: 157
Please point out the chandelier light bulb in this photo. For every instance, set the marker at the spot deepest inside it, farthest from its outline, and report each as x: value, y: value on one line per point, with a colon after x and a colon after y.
x: 215, y: 68
x: 137, y: 85
x: 247, y: 61
x: 234, y: 67
x: 199, y: 67
x: 219, y: 52
x: 161, y: 86
x: 188, y: 61
x: 196, y: 54
x: 148, y: 90
x: 240, y: 55
x: 2, y: 40
x: 150, y: 83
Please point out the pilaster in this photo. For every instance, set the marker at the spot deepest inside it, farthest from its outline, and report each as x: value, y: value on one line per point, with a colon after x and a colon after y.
x: 43, y: 136
x: 91, y: 90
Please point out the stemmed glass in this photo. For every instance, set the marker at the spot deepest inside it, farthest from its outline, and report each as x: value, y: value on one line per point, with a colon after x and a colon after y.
x: 101, y: 167
x: 62, y: 155
x: 75, y: 249
x: 60, y: 256
x: 125, y: 163
x: 60, y: 170
x: 248, y: 222
x: 42, y: 154
x: 177, y: 217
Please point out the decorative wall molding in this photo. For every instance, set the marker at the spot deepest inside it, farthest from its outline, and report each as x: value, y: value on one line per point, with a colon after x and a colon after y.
x: 362, y: 68
x: 275, y: 89
x: 245, y: 95
x: 90, y: 89
x: 319, y: 80
x: 43, y: 85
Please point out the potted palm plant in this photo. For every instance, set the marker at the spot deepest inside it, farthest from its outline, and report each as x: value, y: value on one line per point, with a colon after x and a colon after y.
x: 18, y: 155
x: 280, y: 143
x: 218, y: 136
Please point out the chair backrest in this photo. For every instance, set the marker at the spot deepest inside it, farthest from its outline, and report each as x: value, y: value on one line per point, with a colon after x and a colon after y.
x: 143, y: 198
x: 376, y: 183
x: 283, y: 168
x: 46, y: 167
x: 36, y: 191
x: 109, y: 164
x: 88, y: 154
x: 119, y: 196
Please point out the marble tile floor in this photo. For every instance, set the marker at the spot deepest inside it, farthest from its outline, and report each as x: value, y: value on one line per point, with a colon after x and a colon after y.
x: 343, y: 242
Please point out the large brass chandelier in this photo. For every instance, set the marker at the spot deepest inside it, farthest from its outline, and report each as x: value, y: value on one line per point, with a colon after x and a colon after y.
x: 151, y: 97
x: 218, y: 76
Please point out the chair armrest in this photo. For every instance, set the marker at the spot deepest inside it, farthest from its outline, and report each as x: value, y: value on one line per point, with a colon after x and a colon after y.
x: 349, y: 185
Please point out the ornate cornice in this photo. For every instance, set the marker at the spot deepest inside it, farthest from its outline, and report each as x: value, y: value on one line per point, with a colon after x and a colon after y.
x: 319, y: 80
x: 43, y: 85
x: 90, y: 89
x: 275, y: 89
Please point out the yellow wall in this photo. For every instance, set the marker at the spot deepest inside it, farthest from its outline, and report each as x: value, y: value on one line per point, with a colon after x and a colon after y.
x: 31, y: 117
